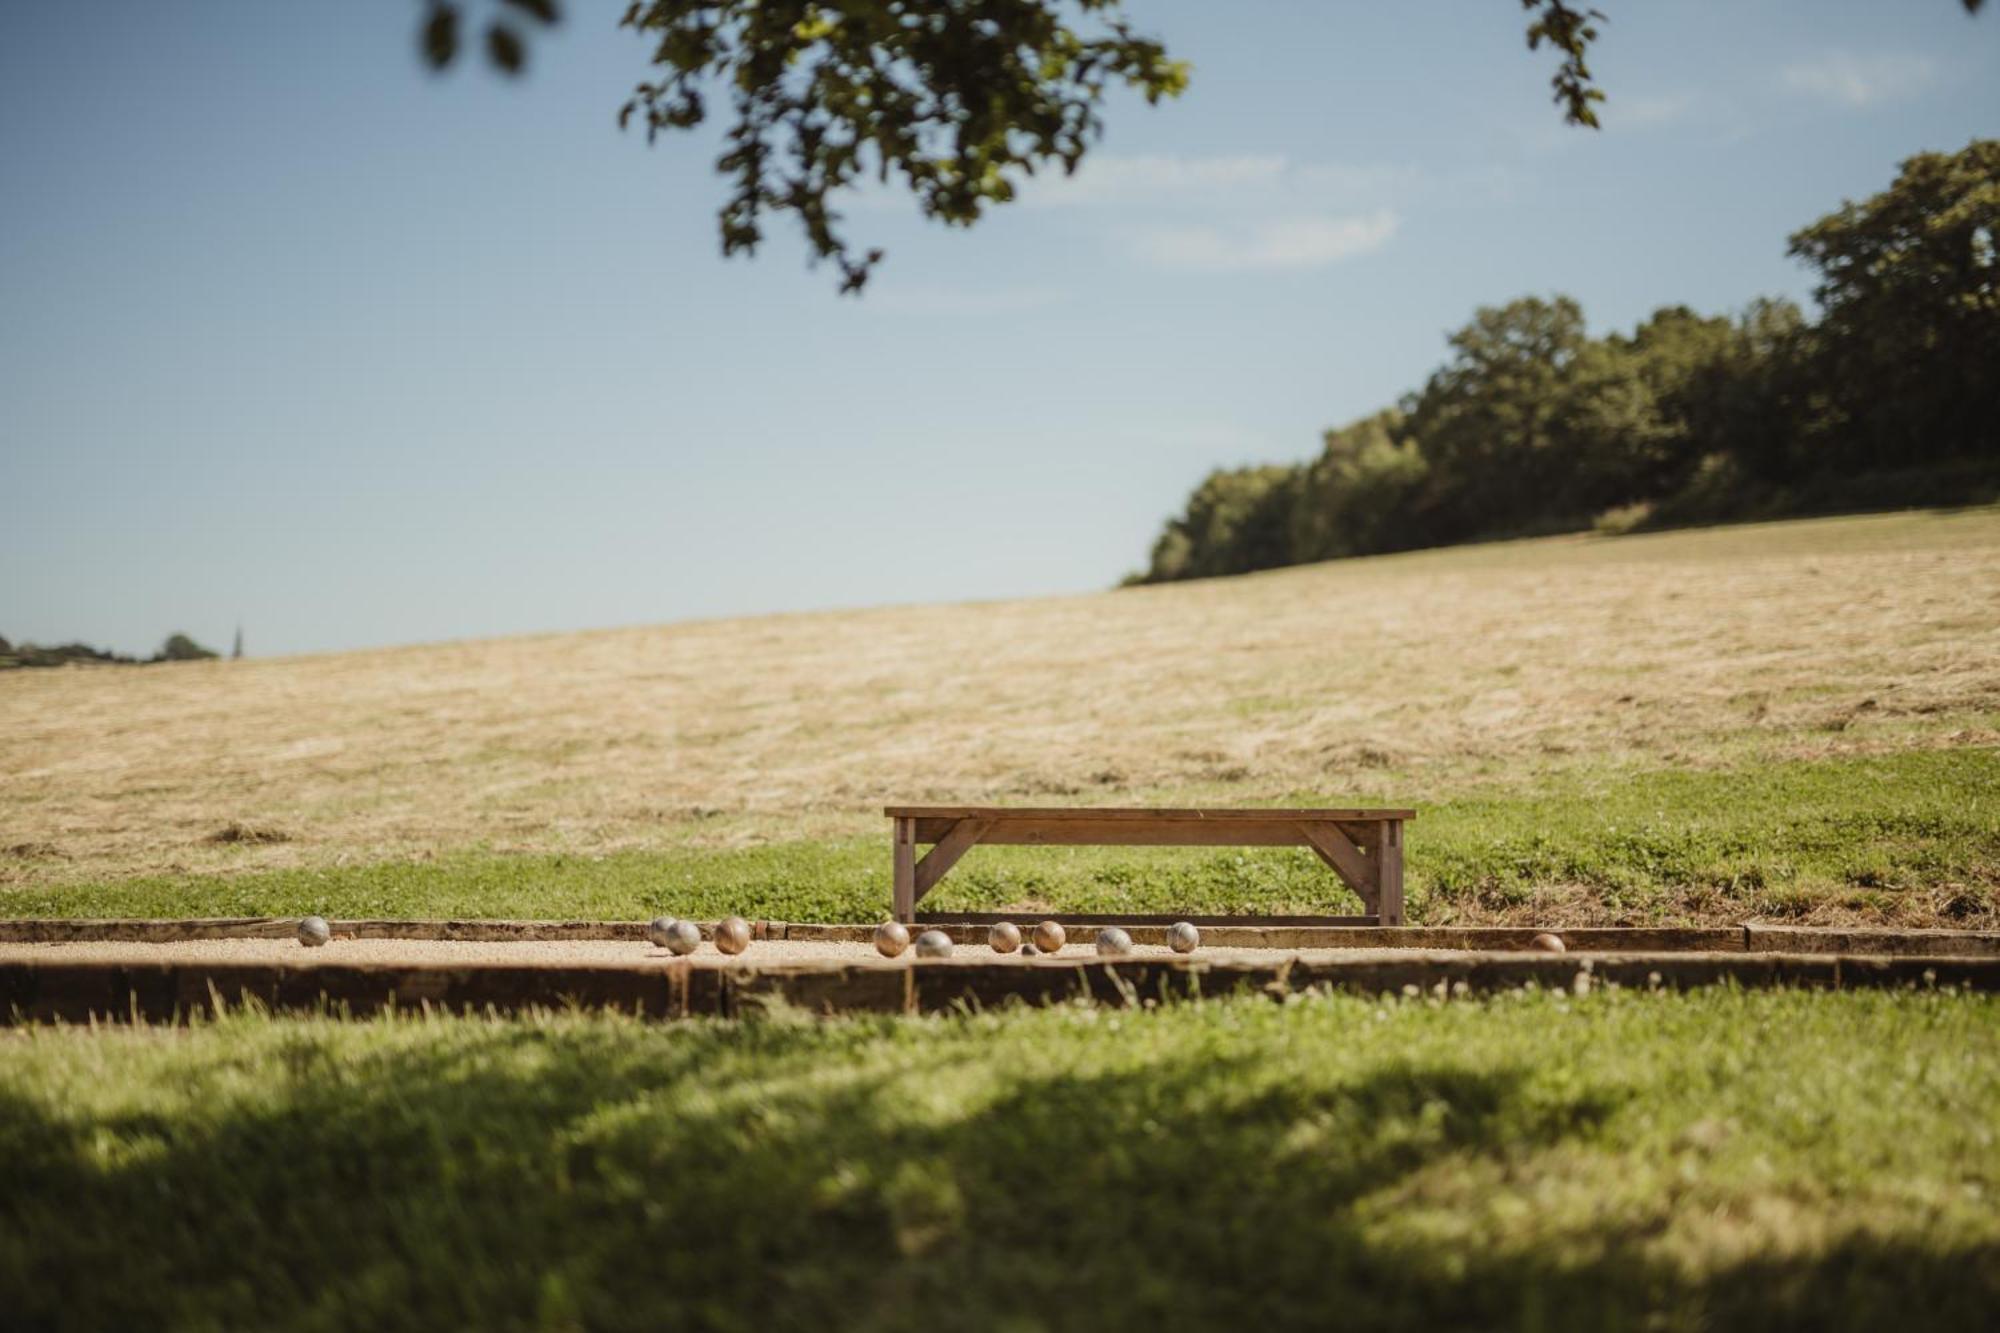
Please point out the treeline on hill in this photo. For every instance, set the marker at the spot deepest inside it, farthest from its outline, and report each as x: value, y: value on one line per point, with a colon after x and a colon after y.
x: 177, y: 648
x: 1533, y: 426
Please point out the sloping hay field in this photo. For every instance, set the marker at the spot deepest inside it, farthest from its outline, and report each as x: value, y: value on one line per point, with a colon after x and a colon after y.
x: 1471, y: 674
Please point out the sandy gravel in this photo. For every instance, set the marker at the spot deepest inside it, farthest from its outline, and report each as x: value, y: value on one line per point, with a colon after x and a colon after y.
x: 446, y: 953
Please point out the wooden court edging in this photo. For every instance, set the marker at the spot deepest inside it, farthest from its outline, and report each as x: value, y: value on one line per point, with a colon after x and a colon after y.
x: 75, y: 992
x: 1586, y: 939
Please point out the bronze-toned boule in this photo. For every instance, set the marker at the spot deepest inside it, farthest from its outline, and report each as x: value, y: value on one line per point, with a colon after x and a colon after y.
x: 732, y: 935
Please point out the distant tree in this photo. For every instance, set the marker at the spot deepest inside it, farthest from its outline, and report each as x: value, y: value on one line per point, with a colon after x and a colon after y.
x: 1490, y: 421
x: 180, y: 648
x: 1235, y: 522
x: 1639, y: 410
x: 62, y: 654
x: 1760, y: 404
x: 1910, y: 289
x: 1354, y: 498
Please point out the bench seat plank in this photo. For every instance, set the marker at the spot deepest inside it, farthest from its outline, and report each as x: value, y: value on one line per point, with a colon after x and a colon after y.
x: 1124, y: 833
x: 1140, y: 814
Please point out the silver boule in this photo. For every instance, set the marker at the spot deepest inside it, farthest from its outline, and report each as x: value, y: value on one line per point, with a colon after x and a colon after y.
x: 732, y: 935
x: 1113, y: 942
x: 1050, y: 937
x: 1182, y: 937
x: 683, y: 938
x: 933, y: 944
x: 313, y: 932
x: 1547, y: 943
x: 658, y: 929
x: 1005, y: 937
x: 891, y: 938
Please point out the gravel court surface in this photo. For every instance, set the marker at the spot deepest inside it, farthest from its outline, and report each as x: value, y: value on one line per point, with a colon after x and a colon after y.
x: 604, y: 953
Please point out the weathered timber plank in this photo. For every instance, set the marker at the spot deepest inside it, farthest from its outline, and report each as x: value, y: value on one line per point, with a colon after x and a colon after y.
x: 1125, y: 833
x: 1334, y: 848
x: 1142, y: 813
x: 962, y: 837
x: 166, y: 993
x: 979, y: 921
x: 903, y: 877
x: 861, y: 989
x: 1899, y: 943
x: 1388, y: 865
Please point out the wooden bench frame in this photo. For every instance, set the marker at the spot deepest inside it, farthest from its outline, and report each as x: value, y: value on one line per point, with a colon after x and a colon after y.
x: 1363, y: 847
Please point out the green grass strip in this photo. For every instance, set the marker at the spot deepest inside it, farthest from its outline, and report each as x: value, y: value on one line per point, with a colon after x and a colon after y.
x: 1715, y: 1160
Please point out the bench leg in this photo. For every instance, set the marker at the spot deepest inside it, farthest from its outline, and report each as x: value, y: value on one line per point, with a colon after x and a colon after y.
x: 1389, y: 874
x: 903, y: 892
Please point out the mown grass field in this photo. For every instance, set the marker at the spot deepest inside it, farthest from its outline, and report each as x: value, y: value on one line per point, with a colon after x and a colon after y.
x: 1720, y: 1159
x: 1795, y: 721
x: 1910, y: 838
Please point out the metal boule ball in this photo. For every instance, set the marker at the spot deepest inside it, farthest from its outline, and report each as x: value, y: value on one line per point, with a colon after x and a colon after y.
x: 1182, y: 937
x: 1113, y: 942
x: 1050, y: 937
x: 1005, y: 937
x: 683, y: 938
x: 933, y: 944
x: 1548, y: 943
x: 313, y: 932
x: 732, y: 935
x: 658, y: 929
x: 891, y: 938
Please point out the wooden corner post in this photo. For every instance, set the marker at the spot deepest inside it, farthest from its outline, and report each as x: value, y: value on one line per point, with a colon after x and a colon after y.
x: 1389, y: 874
x: 903, y: 900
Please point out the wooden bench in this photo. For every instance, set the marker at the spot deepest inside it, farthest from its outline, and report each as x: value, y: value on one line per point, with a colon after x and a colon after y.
x: 1364, y: 848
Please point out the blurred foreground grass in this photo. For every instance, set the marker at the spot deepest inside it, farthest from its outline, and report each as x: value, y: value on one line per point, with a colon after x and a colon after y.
x: 1911, y: 838
x: 1713, y: 1160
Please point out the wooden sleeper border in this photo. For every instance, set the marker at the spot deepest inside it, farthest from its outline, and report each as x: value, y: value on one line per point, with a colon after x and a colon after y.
x: 59, y: 991
x: 1584, y: 939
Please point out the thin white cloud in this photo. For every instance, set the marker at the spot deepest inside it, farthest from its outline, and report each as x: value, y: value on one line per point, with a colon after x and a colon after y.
x: 935, y: 299
x: 1648, y: 112
x: 1851, y: 80
x: 1104, y: 179
x: 1280, y: 244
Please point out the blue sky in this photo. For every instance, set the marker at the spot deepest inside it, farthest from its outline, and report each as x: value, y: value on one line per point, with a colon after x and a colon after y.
x: 296, y: 335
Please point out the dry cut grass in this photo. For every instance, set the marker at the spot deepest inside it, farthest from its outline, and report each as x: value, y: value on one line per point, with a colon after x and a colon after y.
x: 1401, y: 678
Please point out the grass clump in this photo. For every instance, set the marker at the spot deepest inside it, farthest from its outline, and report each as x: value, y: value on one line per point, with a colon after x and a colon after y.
x: 1717, y: 1159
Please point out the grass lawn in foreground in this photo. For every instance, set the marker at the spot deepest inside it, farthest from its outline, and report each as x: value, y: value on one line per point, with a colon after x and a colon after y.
x: 1911, y: 838
x: 1716, y: 1159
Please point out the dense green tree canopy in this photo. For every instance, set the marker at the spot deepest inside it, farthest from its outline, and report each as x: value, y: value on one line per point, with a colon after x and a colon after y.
x: 1533, y: 425
x: 1910, y: 286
